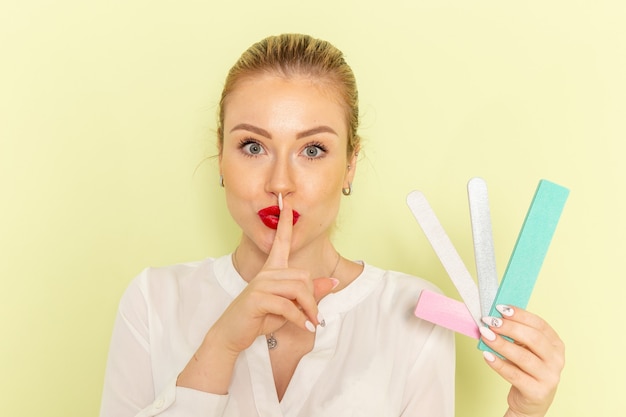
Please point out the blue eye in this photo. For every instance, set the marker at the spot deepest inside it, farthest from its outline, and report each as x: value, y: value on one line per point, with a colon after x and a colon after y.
x: 314, y: 151
x: 251, y: 147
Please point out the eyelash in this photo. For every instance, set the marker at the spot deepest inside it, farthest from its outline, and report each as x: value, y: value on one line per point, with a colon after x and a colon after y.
x: 249, y: 141
x: 319, y: 146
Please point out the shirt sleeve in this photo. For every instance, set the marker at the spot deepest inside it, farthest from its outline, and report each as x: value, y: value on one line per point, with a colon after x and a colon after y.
x: 129, y: 389
x: 430, y: 388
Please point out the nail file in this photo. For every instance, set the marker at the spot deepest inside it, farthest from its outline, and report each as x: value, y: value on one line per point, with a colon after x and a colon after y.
x: 446, y: 252
x: 446, y: 312
x: 531, y: 247
x: 484, y: 252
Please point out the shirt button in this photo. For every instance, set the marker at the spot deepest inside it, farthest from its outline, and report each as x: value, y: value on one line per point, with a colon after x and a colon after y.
x: 159, y: 403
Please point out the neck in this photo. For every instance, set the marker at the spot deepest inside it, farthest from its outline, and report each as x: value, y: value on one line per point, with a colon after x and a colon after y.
x: 319, y: 259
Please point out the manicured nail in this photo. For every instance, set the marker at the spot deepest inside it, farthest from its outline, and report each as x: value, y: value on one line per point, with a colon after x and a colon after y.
x: 335, y: 282
x: 505, y: 310
x: 321, y: 320
x: 492, y: 321
x: 487, y: 333
x: 309, y: 326
x: 490, y: 357
x: 280, y: 201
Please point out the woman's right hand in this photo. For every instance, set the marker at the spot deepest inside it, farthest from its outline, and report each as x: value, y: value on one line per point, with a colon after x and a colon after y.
x: 276, y: 295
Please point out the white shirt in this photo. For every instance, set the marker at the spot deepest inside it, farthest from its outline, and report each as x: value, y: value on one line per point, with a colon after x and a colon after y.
x: 373, y: 358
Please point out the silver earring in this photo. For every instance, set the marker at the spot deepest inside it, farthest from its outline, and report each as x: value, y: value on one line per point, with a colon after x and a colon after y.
x: 347, y: 191
x: 221, y: 181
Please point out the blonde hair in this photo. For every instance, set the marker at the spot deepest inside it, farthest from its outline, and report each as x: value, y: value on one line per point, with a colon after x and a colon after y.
x: 296, y: 54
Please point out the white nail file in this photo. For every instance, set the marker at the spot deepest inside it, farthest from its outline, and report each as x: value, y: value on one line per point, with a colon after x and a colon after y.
x: 446, y: 252
x: 484, y: 252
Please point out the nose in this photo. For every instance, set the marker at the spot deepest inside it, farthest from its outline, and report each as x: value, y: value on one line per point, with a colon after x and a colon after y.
x: 281, y: 176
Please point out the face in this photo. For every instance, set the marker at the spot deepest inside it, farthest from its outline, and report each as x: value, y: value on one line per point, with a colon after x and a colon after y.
x: 284, y: 136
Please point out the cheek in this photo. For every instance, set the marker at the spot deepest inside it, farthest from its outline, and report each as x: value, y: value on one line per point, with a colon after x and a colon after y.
x: 237, y: 177
x: 322, y: 194
x: 240, y: 191
x: 320, y: 185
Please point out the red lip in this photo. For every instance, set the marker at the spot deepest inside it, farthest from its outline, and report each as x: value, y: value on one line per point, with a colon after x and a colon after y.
x: 269, y: 216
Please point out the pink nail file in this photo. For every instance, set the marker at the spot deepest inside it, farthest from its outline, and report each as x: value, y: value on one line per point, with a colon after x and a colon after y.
x: 446, y: 312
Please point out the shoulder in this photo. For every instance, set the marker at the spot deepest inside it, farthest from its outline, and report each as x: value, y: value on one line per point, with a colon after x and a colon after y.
x: 173, y: 274
x: 392, y: 294
x: 396, y: 297
x: 163, y: 297
x: 391, y: 305
x: 399, y: 283
x: 158, y: 284
x: 175, y: 271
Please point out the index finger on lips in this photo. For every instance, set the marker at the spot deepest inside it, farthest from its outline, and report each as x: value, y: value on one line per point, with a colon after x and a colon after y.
x: 279, y: 253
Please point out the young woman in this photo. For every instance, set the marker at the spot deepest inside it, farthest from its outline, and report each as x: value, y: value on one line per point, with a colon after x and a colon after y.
x: 285, y: 326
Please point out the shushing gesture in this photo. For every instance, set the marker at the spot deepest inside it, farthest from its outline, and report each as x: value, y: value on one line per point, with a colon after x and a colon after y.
x: 276, y: 295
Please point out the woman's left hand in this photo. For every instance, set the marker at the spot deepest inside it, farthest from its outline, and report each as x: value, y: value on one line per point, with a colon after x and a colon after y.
x: 533, y: 362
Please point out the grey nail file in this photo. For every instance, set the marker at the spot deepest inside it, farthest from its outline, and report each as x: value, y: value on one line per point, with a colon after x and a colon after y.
x: 484, y: 251
x: 446, y: 252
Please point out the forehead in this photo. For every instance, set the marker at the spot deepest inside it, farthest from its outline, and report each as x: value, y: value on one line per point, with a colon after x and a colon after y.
x: 279, y: 102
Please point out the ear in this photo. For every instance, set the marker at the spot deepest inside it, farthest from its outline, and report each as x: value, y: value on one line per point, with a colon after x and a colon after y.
x: 351, y: 168
x: 220, y: 147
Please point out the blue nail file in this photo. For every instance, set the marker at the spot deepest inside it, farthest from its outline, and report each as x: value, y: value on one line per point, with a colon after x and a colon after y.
x: 531, y: 248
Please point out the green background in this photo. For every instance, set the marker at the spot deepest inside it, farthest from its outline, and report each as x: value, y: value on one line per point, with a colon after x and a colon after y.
x: 107, y: 126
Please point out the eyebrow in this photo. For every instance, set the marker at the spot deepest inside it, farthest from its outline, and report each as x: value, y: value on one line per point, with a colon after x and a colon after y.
x: 315, y: 131
x: 265, y: 133
x: 253, y: 129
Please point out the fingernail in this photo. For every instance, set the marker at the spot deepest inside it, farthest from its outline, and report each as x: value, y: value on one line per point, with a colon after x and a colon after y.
x: 490, y: 357
x: 309, y: 326
x: 505, y: 310
x: 487, y: 333
x: 280, y: 201
x: 492, y: 321
x: 335, y: 282
x: 321, y: 320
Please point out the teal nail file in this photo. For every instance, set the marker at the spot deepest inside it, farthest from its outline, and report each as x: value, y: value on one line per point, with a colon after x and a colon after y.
x: 449, y: 257
x: 484, y: 252
x: 531, y: 248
